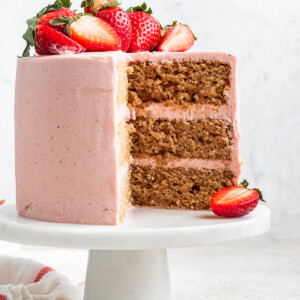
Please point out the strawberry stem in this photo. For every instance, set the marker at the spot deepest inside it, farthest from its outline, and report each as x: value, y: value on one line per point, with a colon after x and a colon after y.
x: 261, y: 198
x: 245, y: 184
x: 142, y: 8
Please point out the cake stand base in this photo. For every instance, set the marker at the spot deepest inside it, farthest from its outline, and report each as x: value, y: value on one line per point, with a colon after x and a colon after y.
x: 129, y: 261
x: 127, y: 275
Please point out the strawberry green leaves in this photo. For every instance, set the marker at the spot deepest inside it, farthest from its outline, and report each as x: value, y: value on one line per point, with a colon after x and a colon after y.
x: 88, y: 3
x: 30, y: 34
x: 66, y: 3
x: 261, y: 198
x: 60, y: 21
x: 245, y: 184
x: 142, y: 7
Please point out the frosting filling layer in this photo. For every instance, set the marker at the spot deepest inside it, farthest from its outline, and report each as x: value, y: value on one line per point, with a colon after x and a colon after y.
x: 179, y: 112
x: 180, y: 163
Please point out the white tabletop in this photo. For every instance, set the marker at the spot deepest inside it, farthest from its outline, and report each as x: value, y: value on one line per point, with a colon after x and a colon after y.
x: 144, y: 228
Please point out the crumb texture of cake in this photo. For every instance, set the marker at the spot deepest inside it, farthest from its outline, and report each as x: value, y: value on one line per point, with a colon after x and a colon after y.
x: 184, y: 128
x: 184, y: 81
x: 177, y: 187
x: 204, y: 138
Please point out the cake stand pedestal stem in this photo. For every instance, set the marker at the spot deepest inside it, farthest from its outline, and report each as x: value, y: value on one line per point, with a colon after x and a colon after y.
x: 127, y: 275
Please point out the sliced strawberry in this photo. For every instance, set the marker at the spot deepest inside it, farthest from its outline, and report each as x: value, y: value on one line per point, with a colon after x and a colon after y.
x: 63, y: 12
x: 235, y: 201
x: 51, y: 41
x: 91, y: 5
x: 177, y: 39
x: 119, y: 21
x: 145, y: 32
x: 2, y: 202
x: 95, y: 34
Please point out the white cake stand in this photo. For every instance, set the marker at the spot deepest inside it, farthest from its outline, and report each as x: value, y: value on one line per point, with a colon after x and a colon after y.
x: 129, y: 261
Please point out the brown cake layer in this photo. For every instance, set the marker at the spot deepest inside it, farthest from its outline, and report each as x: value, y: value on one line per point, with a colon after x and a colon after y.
x: 178, y: 82
x: 176, y: 187
x: 204, y: 138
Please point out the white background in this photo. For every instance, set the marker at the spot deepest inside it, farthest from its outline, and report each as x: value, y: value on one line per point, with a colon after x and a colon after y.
x: 265, y: 37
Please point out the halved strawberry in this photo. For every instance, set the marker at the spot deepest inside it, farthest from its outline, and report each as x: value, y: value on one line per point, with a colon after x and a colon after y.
x: 145, y: 29
x: 2, y: 202
x: 63, y: 12
x: 119, y: 21
x: 91, y: 5
x: 51, y: 41
x: 178, y: 38
x: 94, y: 34
x: 235, y: 201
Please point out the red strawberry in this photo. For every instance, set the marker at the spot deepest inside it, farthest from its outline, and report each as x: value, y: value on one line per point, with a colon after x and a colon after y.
x: 91, y: 5
x: 51, y: 41
x: 177, y: 39
x: 119, y: 21
x: 145, y: 31
x: 63, y: 6
x: 42, y: 273
x: 94, y: 34
x: 3, y: 297
x: 235, y: 201
x: 63, y: 12
x: 2, y: 202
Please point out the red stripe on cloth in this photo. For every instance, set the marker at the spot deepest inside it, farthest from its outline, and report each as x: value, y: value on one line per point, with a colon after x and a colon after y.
x: 42, y: 273
x: 3, y: 297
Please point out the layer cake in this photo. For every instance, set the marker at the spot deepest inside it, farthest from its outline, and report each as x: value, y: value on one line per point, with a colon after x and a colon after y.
x: 98, y: 132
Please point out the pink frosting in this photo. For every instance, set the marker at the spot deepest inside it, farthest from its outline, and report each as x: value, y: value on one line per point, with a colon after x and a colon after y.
x: 66, y: 138
x: 66, y: 116
x: 178, y: 112
x: 181, y: 163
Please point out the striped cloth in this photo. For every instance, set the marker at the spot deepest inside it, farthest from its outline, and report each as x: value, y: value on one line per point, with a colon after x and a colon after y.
x: 24, y: 279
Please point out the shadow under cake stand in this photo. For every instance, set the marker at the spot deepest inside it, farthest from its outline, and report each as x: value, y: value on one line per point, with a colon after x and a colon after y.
x: 129, y: 261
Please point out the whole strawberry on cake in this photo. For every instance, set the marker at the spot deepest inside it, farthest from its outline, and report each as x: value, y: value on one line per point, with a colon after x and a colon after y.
x: 112, y: 112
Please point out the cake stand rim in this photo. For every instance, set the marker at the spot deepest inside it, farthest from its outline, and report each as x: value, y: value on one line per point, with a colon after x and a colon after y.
x: 26, y: 231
